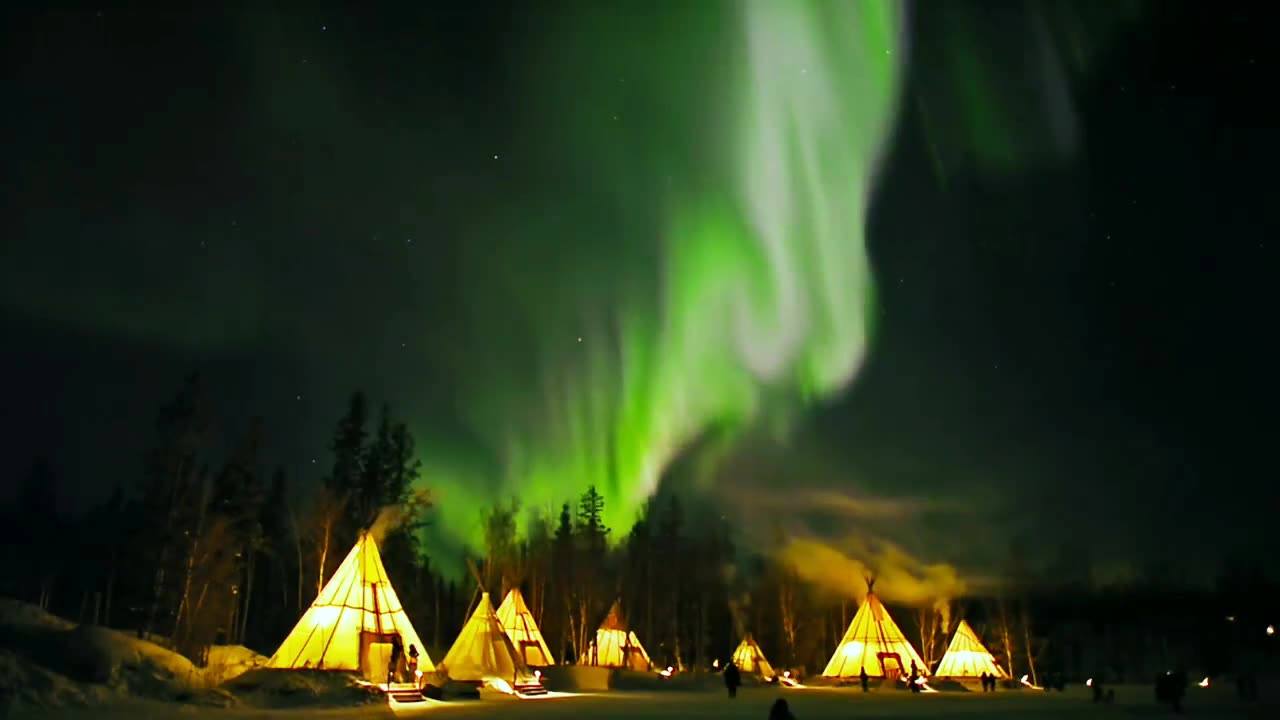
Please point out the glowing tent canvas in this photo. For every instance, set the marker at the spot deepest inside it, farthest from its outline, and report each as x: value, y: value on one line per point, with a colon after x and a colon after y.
x: 873, y: 643
x: 483, y: 653
x: 750, y: 658
x: 615, y: 646
x: 519, y: 625
x: 352, y: 621
x: 966, y: 657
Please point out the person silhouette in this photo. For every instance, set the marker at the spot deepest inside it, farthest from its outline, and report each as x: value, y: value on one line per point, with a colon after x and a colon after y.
x: 397, y: 652
x: 732, y: 679
x: 780, y: 711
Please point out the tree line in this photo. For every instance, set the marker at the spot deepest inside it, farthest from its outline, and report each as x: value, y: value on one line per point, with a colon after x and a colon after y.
x: 203, y: 550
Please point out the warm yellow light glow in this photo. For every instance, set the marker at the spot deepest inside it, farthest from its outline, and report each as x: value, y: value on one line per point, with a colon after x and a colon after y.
x: 484, y: 653
x: 750, y: 659
x: 501, y: 685
x: 517, y: 621
x: 873, y: 644
x: 358, y: 599
x: 1271, y: 629
x: 616, y: 646
x: 715, y: 664
x: 1204, y: 682
x: 1027, y: 683
x: 966, y: 657
x: 1088, y: 683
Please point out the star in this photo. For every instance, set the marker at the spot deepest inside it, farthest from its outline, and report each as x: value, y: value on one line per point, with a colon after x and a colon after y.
x: 408, y: 240
x: 579, y: 339
x: 495, y: 157
x: 324, y: 27
x: 299, y: 397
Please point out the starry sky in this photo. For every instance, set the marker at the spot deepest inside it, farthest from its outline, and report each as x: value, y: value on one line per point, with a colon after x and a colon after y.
x: 1040, y: 318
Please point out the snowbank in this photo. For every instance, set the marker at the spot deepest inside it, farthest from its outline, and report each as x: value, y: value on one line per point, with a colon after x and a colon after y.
x: 25, y: 684
x: 276, y: 688
x: 230, y: 661
x: 46, y: 661
x: 24, y: 617
x: 120, y: 661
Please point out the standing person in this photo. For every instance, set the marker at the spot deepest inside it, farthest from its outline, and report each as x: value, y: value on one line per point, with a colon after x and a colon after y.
x: 780, y: 711
x: 983, y: 678
x: 862, y: 677
x: 411, y: 666
x: 732, y: 679
x: 397, y: 652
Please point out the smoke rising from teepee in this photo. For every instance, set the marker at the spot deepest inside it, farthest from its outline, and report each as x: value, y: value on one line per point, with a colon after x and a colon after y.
x: 844, y: 567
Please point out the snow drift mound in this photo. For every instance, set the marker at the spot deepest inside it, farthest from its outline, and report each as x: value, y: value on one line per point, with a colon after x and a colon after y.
x: 47, y: 661
x: 279, y: 688
x: 24, y: 684
x: 230, y: 661
x: 19, y: 617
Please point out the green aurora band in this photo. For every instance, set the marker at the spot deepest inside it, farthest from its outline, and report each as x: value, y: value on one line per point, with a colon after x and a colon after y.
x: 717, y: 275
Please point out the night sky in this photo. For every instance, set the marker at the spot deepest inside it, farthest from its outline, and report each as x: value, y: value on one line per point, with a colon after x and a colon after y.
x: 534, y: 230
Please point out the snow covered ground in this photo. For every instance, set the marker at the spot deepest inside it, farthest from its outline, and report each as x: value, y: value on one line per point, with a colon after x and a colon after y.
x: 50, y: 668
x: 751, y: 704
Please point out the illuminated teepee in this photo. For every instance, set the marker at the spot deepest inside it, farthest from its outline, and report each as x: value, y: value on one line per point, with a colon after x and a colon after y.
x: 352, y: 622
x: 483, y: 653
x: 518, y: 623
x: 873, y: 643
x: 750, y: 658
x: 966, y: 657
x: 615, y: 646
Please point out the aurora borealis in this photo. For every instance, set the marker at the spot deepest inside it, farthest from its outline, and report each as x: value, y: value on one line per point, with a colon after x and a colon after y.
x: 760, y: 284
x: 903, y: 259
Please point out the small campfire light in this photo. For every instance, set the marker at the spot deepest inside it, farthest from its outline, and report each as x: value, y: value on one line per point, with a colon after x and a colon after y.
x: 538, y: 675
x: 1271, y: 629
x: 1204, y: 682
x: 667, y: 673
x: 716, y: 663
x: 1088, y: 683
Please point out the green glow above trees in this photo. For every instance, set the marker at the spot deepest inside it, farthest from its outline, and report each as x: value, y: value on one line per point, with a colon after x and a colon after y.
x: 752, y: 177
